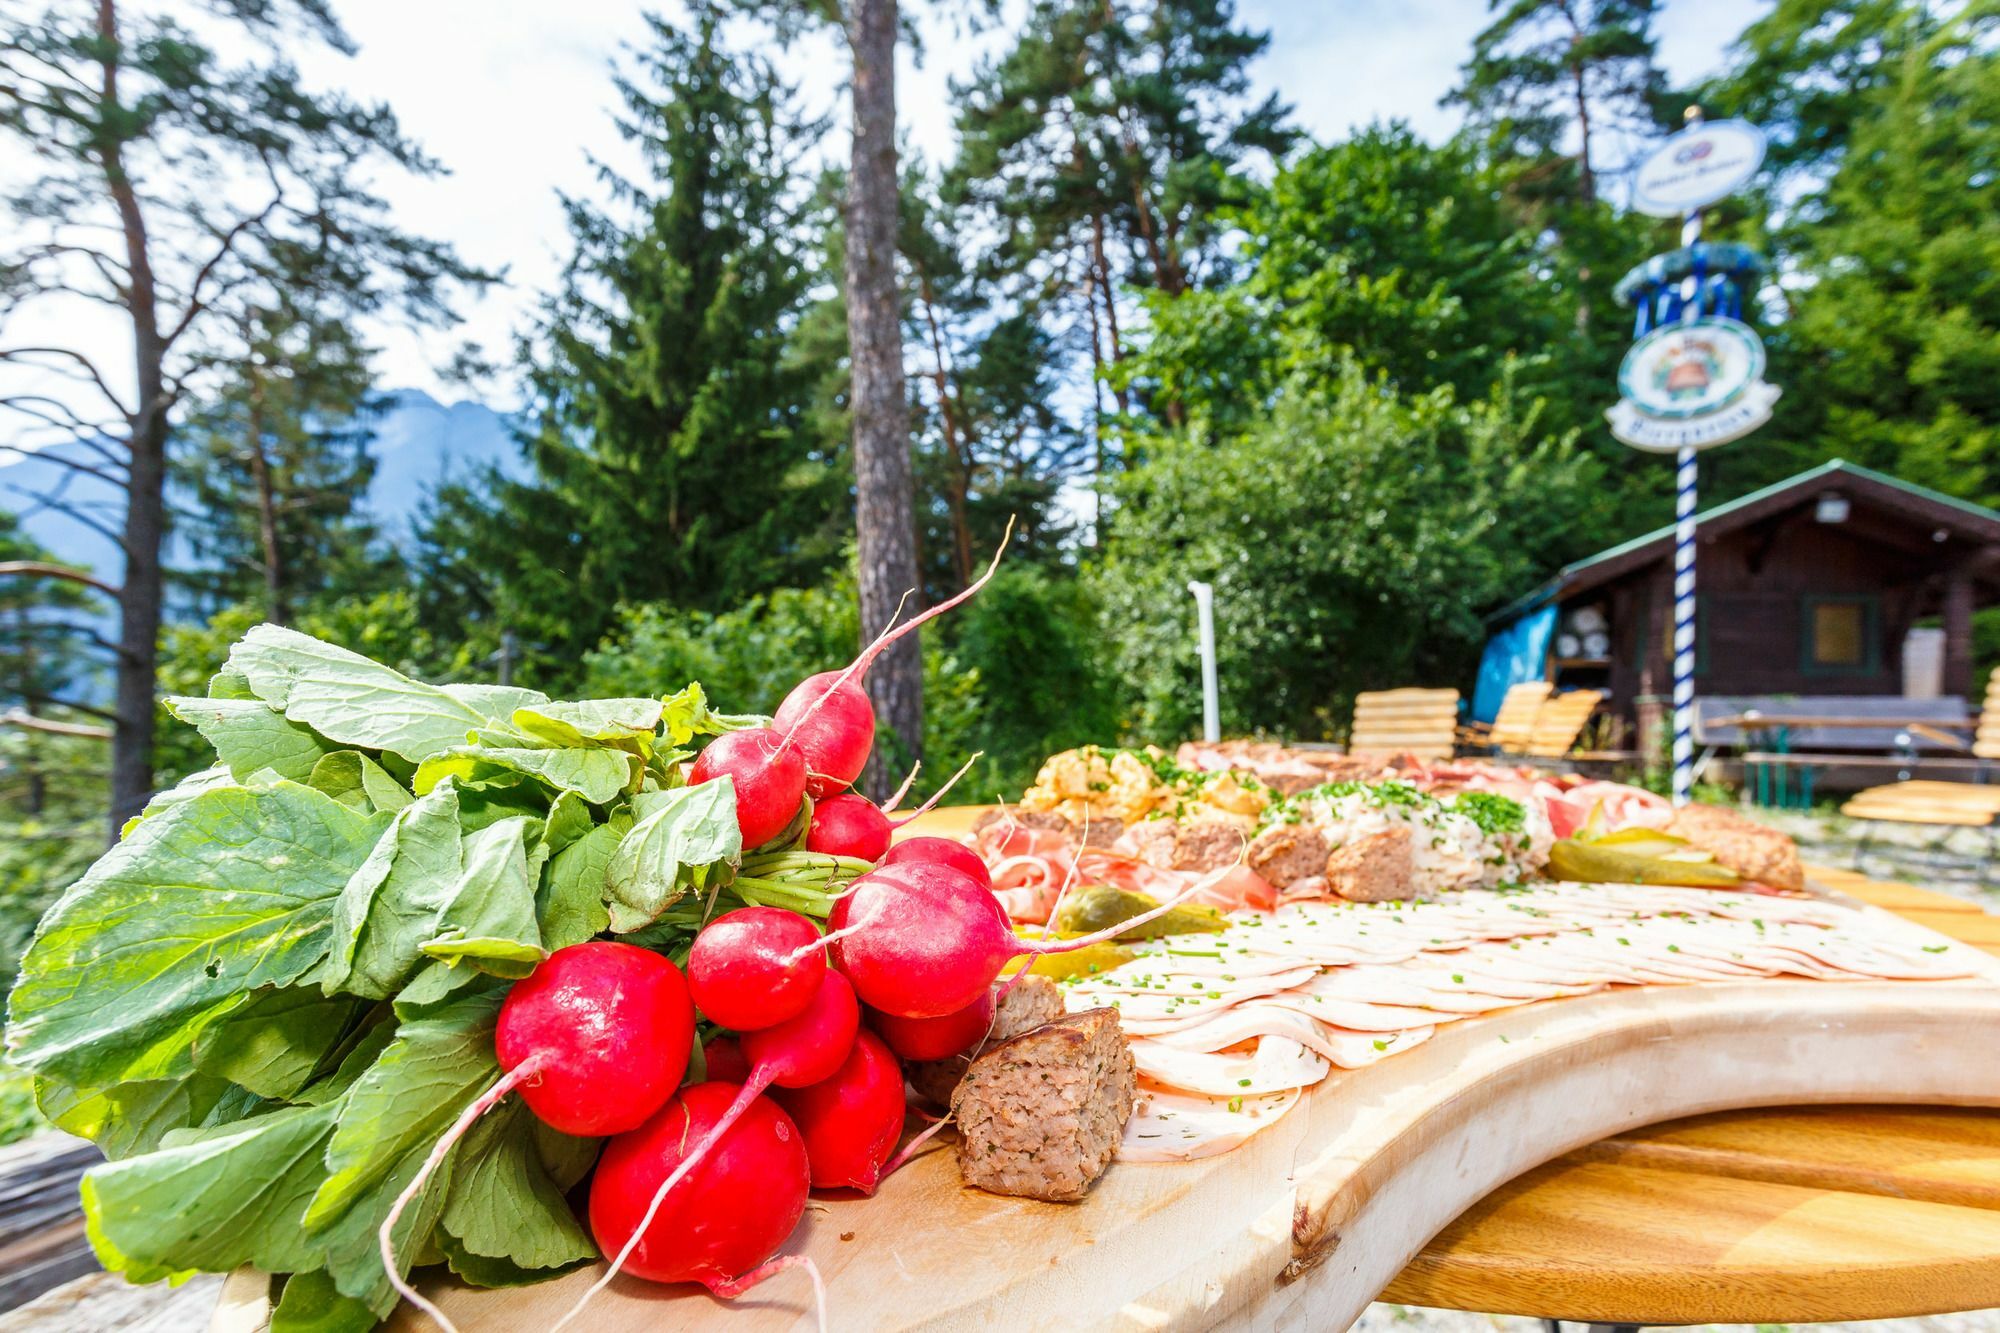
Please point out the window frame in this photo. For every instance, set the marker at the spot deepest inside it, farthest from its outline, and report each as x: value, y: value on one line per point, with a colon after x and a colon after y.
x: 1871, y: 634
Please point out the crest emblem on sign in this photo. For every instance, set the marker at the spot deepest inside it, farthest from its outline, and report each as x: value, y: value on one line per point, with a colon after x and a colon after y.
x: 1695, y: 384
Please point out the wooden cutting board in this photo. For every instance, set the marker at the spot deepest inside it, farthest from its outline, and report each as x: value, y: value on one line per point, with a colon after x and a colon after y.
x: 1312, y: 1218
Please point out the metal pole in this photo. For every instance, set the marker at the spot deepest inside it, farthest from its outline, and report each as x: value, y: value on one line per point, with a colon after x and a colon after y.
x: 1211, y: 710
x: 1684, y: 510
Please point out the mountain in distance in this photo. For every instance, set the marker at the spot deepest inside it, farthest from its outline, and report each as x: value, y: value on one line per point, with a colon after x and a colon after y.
x: 419, y: 443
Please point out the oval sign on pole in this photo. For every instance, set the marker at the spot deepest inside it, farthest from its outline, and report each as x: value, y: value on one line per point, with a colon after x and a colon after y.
x: 1692, y: 386
x: 1697, y: 167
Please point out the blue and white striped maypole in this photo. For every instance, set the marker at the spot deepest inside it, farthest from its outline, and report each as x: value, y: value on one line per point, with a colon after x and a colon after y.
x: 1693, y: 378
x: 1684, y: 504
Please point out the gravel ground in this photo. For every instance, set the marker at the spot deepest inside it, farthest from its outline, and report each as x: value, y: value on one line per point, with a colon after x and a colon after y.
x: 1960, y: 861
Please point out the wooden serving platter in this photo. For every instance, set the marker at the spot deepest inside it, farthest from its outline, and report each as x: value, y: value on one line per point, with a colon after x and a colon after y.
x: 1312, y: 1218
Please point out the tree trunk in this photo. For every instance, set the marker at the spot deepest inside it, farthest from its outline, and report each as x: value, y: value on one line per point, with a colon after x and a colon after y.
x: 145, y: 513
x: 883, y: 509
x: 275, y: 609
x: 1586, y: 179
x: 954, y: 439
x: 1101, y: 268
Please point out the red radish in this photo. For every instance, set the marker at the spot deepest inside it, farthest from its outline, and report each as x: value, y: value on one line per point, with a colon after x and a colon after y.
x: 770, y: 778
x: 733, y: 1212
x: 851, y: 825
x: 852, y: 1120
x: 596, y: 1039
x: 944, y: 851
x: 724, y: 1059
x: 794, y: 1054
x: 829, y: 717
x: 920, y: 939
x: 936, y: 1038
x: 755, y: 967
x: 610, y: 1027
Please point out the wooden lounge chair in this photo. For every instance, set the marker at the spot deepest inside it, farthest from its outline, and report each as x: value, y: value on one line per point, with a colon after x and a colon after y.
x: 1561, y: 721
x: 1514, y: 724
x: 1415, y: 722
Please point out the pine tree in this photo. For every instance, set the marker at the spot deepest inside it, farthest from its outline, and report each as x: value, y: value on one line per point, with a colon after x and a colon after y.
x: 1108, y: 143
x: 276, y: 465
x: 177, y: 185
x: 674, y: 457
x: 1549, y: 73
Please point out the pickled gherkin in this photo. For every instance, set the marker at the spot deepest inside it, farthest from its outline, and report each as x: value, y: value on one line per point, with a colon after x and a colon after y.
x: 1100, y: 906
x: 1595, y: 863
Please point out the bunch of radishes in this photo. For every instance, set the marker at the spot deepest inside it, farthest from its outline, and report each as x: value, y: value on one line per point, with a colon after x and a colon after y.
x: 703, y: 1183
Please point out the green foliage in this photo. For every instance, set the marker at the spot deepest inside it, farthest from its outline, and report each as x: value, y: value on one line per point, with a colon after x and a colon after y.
x: 675, y: 451
x: 1354, y: 539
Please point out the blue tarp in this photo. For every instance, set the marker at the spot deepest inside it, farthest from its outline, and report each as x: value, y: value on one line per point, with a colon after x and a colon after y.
x: 1517, y: 653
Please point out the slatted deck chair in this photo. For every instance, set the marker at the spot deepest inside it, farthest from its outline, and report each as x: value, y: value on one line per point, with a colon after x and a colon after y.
x: 1416, y: 722
x: 1514, y: 724
x: 1561, y: 721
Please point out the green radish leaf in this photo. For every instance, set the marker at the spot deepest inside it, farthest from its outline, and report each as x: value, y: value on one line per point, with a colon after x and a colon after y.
x: 249, y: 735
x: 496, y: 701
x: 275, y: 1041
x: 311, y: 1303
x: 351, y: 700
x: 355, y: 780
x: 213, y: 1199
x: 570, y: 904
x: 391, y: 903
x: 626, y: 723
x: 680, y: 837
x: 501, y: 1180
x: 228, y: 891
x: 406, y: 1100
x: 439, y: 984
x: 599, y: 776
x: 132, y: 1118
x: 569, y: 819
x: 565, y: 1157
x: 194, y: 784
x: 489, y: 919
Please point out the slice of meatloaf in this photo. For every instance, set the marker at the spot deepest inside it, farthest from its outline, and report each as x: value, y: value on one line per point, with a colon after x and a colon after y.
x: 1289, y: 852
x: 1208, y: 844
x: 1376, y: 869
x: 1745, y: 846
x: 1037, y: 1000
x: 1152, y: 841
x: 1040, y: 1115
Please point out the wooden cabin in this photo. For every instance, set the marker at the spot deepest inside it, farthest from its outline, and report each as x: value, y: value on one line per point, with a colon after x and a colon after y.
x: 1840, y: 581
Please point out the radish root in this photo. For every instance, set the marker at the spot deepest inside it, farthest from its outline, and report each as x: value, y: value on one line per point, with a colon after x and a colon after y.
x: 909, y: 1150
x: 892, y: 632
x: 759, y: 1080
x: 903, y: 790
x: 937, y: 795
x: 385, y: 1236
x: 729, y: 1289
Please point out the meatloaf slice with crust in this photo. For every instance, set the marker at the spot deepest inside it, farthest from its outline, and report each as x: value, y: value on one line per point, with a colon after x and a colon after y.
x: 1743, y: 845
x: 1035, y: 1001
x: 1040, y: 1115
x: 1378, y: 868
x: 1288, y: 852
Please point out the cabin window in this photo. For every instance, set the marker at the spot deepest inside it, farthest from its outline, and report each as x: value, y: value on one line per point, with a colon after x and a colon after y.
x: 1839, y: 635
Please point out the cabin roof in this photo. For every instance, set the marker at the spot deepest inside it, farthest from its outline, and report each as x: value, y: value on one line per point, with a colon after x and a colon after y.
x: 1920, y: 506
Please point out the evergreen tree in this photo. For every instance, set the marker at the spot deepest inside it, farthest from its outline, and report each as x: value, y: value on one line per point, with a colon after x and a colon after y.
x: 275, y: 466
x: 1892, y: 349
x: 1547, y: 74
x: 674, y: 452
x: 1108, y: 145
x: 177, y: 184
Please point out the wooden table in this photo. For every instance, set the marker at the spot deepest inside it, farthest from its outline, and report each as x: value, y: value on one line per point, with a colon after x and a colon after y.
x: 1828, y: 1212
x: 1792, y: 1215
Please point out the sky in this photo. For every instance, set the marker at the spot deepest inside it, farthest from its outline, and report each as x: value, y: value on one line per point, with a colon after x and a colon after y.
x: 514, y: 97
